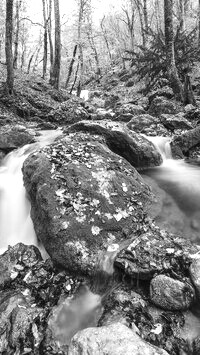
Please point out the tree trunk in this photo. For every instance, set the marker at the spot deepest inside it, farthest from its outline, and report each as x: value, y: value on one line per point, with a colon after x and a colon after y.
x: 146, y: 25
x: 199, y: 24
x: 106, y: 39
x: 182, y: 14
x: 71, y: 66
x: 50, y: 38
x: 44, y: 71
x: 15, y: 60
x: 8, y: 47
x: 170, y: 55
x: 75, y: 77
x: 55, y: 77
x: 29, y: 63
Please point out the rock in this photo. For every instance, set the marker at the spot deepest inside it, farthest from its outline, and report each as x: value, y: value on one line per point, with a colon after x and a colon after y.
x: 171, y: 294
x: 111, y: 100
x: 165, y: 91
x: 160, y: 105
x: 10, y: 262
x: 135, y: 148
x: 115, y: 339
x: 195, y: 275
x: 101, y: 114
x: 142, y: 122
x: 174, y: 122
x: 128, y: 108
x: 18, y: 323
x: 82, y: 199
x: 154, y: 251
x: 14, y: 137
x: 68, y: 112
x: 182, y: 143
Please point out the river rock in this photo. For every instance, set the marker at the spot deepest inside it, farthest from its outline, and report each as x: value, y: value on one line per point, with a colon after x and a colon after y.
x: 83, y: 198
x: 128, y: 108
x: 133, y: 147
x: 181, y: 144
x: 195, y: 275
x: 171, y: 294
x: 68, y: 112
x: 18, y: 323
x: 15, y: 137
x: 160, y: 105
x: 115, y: 339
x: 165, y: 91
x: 10, y: 262
x: 154, y: 251
x: 173, y: 122
x: 140, y: 123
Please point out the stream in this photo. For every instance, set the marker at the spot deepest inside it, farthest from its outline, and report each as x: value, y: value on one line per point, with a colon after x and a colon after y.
x: 178, y: 178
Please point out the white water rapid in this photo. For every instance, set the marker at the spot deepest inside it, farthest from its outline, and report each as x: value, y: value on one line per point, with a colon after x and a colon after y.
x: 15, y: 221
x: 178, y: 178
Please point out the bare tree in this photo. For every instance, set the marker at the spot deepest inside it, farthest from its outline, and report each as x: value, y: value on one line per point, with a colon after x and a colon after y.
x: 17, y: 24
x: 170, y: 55
x: 55, y: 75
x: 45, y: 39
x: 8, y: 46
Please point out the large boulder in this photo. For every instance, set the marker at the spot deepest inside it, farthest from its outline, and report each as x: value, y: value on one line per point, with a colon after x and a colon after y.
x: 171, y: 294
x: 134, y: 147
x: 173, y: 122
x: 15, y: 137
x: 142, y: 122
x: 68, y: 112
x: 128, y: 109
x: 83, y: 198
x: 160, y: 105
x: 153, y: 251
x: 115, y: 339
x: 181, y: 144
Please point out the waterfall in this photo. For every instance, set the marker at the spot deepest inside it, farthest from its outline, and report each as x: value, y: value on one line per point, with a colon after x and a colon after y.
x: 178, y: 178
x: 15, y: 221
x: 162, y: 144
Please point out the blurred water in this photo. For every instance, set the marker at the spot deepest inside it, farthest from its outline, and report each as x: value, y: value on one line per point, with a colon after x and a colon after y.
x: 15, y: 221
x: 178, y: 178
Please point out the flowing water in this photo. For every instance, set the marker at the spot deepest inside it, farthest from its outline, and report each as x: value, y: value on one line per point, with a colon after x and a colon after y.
x: 178, y: 178
x: 15, y: 221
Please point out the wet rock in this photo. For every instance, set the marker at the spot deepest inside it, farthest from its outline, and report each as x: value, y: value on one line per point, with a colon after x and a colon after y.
x: 181, y: 144
x: 154, y: 251
x: 73, y: 314
x: 18, y: 323
x: 161, y: 105
x: 173, y: 122
x: 82, y: 199
x: 68, y: 112
x: 133, y: 147
x: 14, y: 137
x: 115, y: 339
x: 14, y: 260
x: 171, y: 294
x: 142, y: 122
x: 195, y: 275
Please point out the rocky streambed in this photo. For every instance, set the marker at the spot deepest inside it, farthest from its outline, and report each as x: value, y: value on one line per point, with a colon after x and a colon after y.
x: 92, y: 210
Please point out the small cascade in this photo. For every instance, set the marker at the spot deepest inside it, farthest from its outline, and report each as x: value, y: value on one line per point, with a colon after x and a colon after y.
x: 178, y: 178
x: 15, y: 221
x: 162, y: 145
x: 85, y: 308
